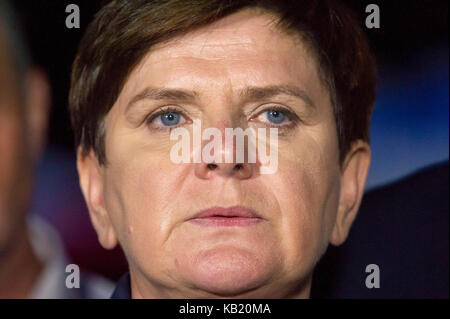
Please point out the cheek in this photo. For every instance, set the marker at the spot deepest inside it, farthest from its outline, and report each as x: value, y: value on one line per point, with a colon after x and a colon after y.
x: 8, y: 151
x: 15, y: 174
x: 10, y: 143
x: 307, y: 190
x: 140, y: 196
x: 8, y: 163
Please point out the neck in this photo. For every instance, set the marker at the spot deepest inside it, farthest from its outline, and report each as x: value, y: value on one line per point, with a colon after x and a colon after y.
x: 19, y: 266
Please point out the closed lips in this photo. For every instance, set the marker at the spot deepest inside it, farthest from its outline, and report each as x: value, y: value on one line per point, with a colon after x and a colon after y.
x: 231, y: 216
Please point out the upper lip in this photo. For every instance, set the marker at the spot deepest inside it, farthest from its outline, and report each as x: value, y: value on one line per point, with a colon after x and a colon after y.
x: 233, y: 211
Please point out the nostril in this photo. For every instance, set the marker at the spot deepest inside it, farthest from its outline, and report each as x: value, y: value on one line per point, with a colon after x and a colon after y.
x: 212, y: 166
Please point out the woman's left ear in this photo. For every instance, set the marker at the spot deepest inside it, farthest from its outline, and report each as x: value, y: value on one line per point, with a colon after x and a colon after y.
x: 353, y: 180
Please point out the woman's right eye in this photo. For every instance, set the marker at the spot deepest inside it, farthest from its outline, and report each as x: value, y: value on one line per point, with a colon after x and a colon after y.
x: 164, y: 119
x: 170, y: 118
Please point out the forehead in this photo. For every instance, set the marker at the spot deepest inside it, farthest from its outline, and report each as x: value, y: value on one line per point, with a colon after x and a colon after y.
x: 243, y: 49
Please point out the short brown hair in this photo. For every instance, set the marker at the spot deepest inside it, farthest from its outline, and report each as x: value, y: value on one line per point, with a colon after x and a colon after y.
x: 123, y: 32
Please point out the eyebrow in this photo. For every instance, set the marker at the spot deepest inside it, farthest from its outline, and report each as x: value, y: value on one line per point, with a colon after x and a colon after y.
x: 253, y: 93
x: 267, y: 92
x: 154, y: 93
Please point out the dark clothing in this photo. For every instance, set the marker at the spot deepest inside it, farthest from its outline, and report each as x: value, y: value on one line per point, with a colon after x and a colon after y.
x: 403, y: 228
x: 123, y: 288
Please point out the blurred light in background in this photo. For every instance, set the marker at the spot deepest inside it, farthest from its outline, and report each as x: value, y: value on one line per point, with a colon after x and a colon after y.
x: 410, y: 123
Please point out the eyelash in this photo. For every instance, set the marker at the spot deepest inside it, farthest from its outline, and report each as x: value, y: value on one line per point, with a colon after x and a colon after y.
x: 161, y: 111
x: 168, y: 109
x: 289, y: 114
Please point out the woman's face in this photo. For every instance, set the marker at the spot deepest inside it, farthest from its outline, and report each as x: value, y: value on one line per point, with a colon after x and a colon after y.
x: 226, y: 75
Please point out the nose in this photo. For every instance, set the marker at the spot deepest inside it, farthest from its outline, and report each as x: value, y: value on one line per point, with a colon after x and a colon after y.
x: 231, y: 164
x: 233, y: 170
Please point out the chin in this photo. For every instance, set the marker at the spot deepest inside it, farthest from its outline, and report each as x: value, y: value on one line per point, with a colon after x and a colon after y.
x: 228, y: 272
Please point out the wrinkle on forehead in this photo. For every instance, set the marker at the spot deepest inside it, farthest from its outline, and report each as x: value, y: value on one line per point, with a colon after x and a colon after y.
x: 227, y: 33
x: 232, y: 38
x: 243, y: 48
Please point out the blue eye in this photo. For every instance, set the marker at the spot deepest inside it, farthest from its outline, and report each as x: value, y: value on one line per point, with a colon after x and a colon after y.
x: 170, y: 118
x: 275, y: 116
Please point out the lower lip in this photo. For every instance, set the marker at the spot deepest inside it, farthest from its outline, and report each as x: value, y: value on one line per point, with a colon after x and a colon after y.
x: 218, y: 221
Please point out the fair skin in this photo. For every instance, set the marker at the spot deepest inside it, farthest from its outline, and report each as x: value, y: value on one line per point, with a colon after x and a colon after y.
x: 23, y: 121
x: 144, y: 201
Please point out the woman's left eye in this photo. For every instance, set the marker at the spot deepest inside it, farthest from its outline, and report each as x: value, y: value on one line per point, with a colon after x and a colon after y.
x: 273, y: 116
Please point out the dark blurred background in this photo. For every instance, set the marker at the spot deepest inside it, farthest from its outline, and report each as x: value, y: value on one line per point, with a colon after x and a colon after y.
x: 409, y: 126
